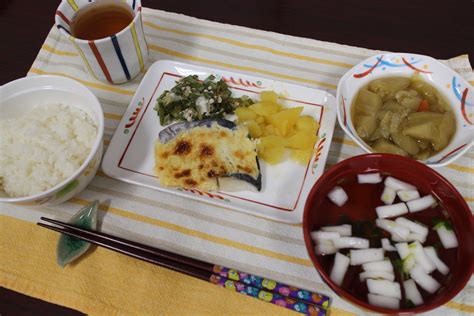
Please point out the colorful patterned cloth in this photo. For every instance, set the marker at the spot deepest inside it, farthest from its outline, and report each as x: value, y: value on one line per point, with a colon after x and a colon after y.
x: 108, y: 283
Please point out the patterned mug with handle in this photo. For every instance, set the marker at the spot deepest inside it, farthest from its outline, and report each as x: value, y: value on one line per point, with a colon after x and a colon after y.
x: 117, y: 58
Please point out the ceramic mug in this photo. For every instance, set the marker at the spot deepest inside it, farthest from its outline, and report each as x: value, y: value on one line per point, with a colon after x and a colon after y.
x: 115, y: 59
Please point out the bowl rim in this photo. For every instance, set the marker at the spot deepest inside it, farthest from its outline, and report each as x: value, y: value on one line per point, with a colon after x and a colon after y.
x: 98, y: 140
x: 339, y: 290
x: 365, y: 147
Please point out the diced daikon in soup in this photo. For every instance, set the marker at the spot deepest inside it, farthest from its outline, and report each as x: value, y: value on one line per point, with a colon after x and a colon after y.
x: 351, y: 265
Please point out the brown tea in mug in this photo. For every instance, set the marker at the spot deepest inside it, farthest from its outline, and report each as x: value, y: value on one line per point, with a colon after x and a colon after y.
x: 101, y: 19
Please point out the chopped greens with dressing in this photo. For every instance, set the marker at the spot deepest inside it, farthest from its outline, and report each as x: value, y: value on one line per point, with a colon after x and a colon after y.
x: 192, y: 99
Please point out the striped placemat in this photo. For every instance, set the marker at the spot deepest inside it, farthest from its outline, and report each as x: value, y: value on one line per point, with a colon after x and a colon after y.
x: 197, y: 229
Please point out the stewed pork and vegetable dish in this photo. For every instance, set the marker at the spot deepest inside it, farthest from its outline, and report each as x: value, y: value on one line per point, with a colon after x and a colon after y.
x: 405, y: 116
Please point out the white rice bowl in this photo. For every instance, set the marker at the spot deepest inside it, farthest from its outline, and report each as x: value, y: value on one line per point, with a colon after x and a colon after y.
x: 43, y: 148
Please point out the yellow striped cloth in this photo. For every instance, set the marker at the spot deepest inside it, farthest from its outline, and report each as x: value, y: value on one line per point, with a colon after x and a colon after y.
x: 106, y: 283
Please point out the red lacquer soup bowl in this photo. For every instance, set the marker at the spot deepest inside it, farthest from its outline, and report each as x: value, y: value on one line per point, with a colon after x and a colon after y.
x: 360, y: 210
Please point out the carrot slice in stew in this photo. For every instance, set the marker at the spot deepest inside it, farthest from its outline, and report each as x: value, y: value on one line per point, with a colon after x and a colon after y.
x: 424, y: 106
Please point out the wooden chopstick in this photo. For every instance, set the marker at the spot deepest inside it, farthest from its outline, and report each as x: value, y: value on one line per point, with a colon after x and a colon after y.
x: 105, y: 238
x: 133, y: 252
x: 264, y: 289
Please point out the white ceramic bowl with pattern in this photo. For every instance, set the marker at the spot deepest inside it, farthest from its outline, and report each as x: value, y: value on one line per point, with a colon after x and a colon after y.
x: 457, y: 91
x: 20, y: 96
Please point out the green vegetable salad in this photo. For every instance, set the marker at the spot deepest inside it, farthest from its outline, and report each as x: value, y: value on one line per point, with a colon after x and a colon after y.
x: 192, y: 99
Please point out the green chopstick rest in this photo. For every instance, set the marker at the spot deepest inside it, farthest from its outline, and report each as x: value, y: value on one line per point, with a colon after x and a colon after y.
x: 70, y: 248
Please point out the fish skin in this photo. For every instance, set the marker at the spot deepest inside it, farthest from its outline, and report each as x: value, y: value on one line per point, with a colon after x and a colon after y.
x: 170, y: 132
x: 248, y: 178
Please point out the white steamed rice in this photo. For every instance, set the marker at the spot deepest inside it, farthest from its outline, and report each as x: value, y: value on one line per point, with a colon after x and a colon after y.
x: 43, y: 148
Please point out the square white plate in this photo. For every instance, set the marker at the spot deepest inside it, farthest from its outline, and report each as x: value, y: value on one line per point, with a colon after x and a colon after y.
x: 130, y: 155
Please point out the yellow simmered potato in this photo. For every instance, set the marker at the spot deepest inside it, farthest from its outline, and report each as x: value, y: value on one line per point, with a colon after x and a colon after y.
x: 269, y: 96
x: 286, y: 119
x: 301, y: 140
x: 273, y: 155
x: 279, y: 130
x: 270, y: 130
x: 265, y: 108
x: 271, y: 141
x: 255, y: 130
x: 245, y: 114
x: 260, y: 120
x: 307, y: 123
